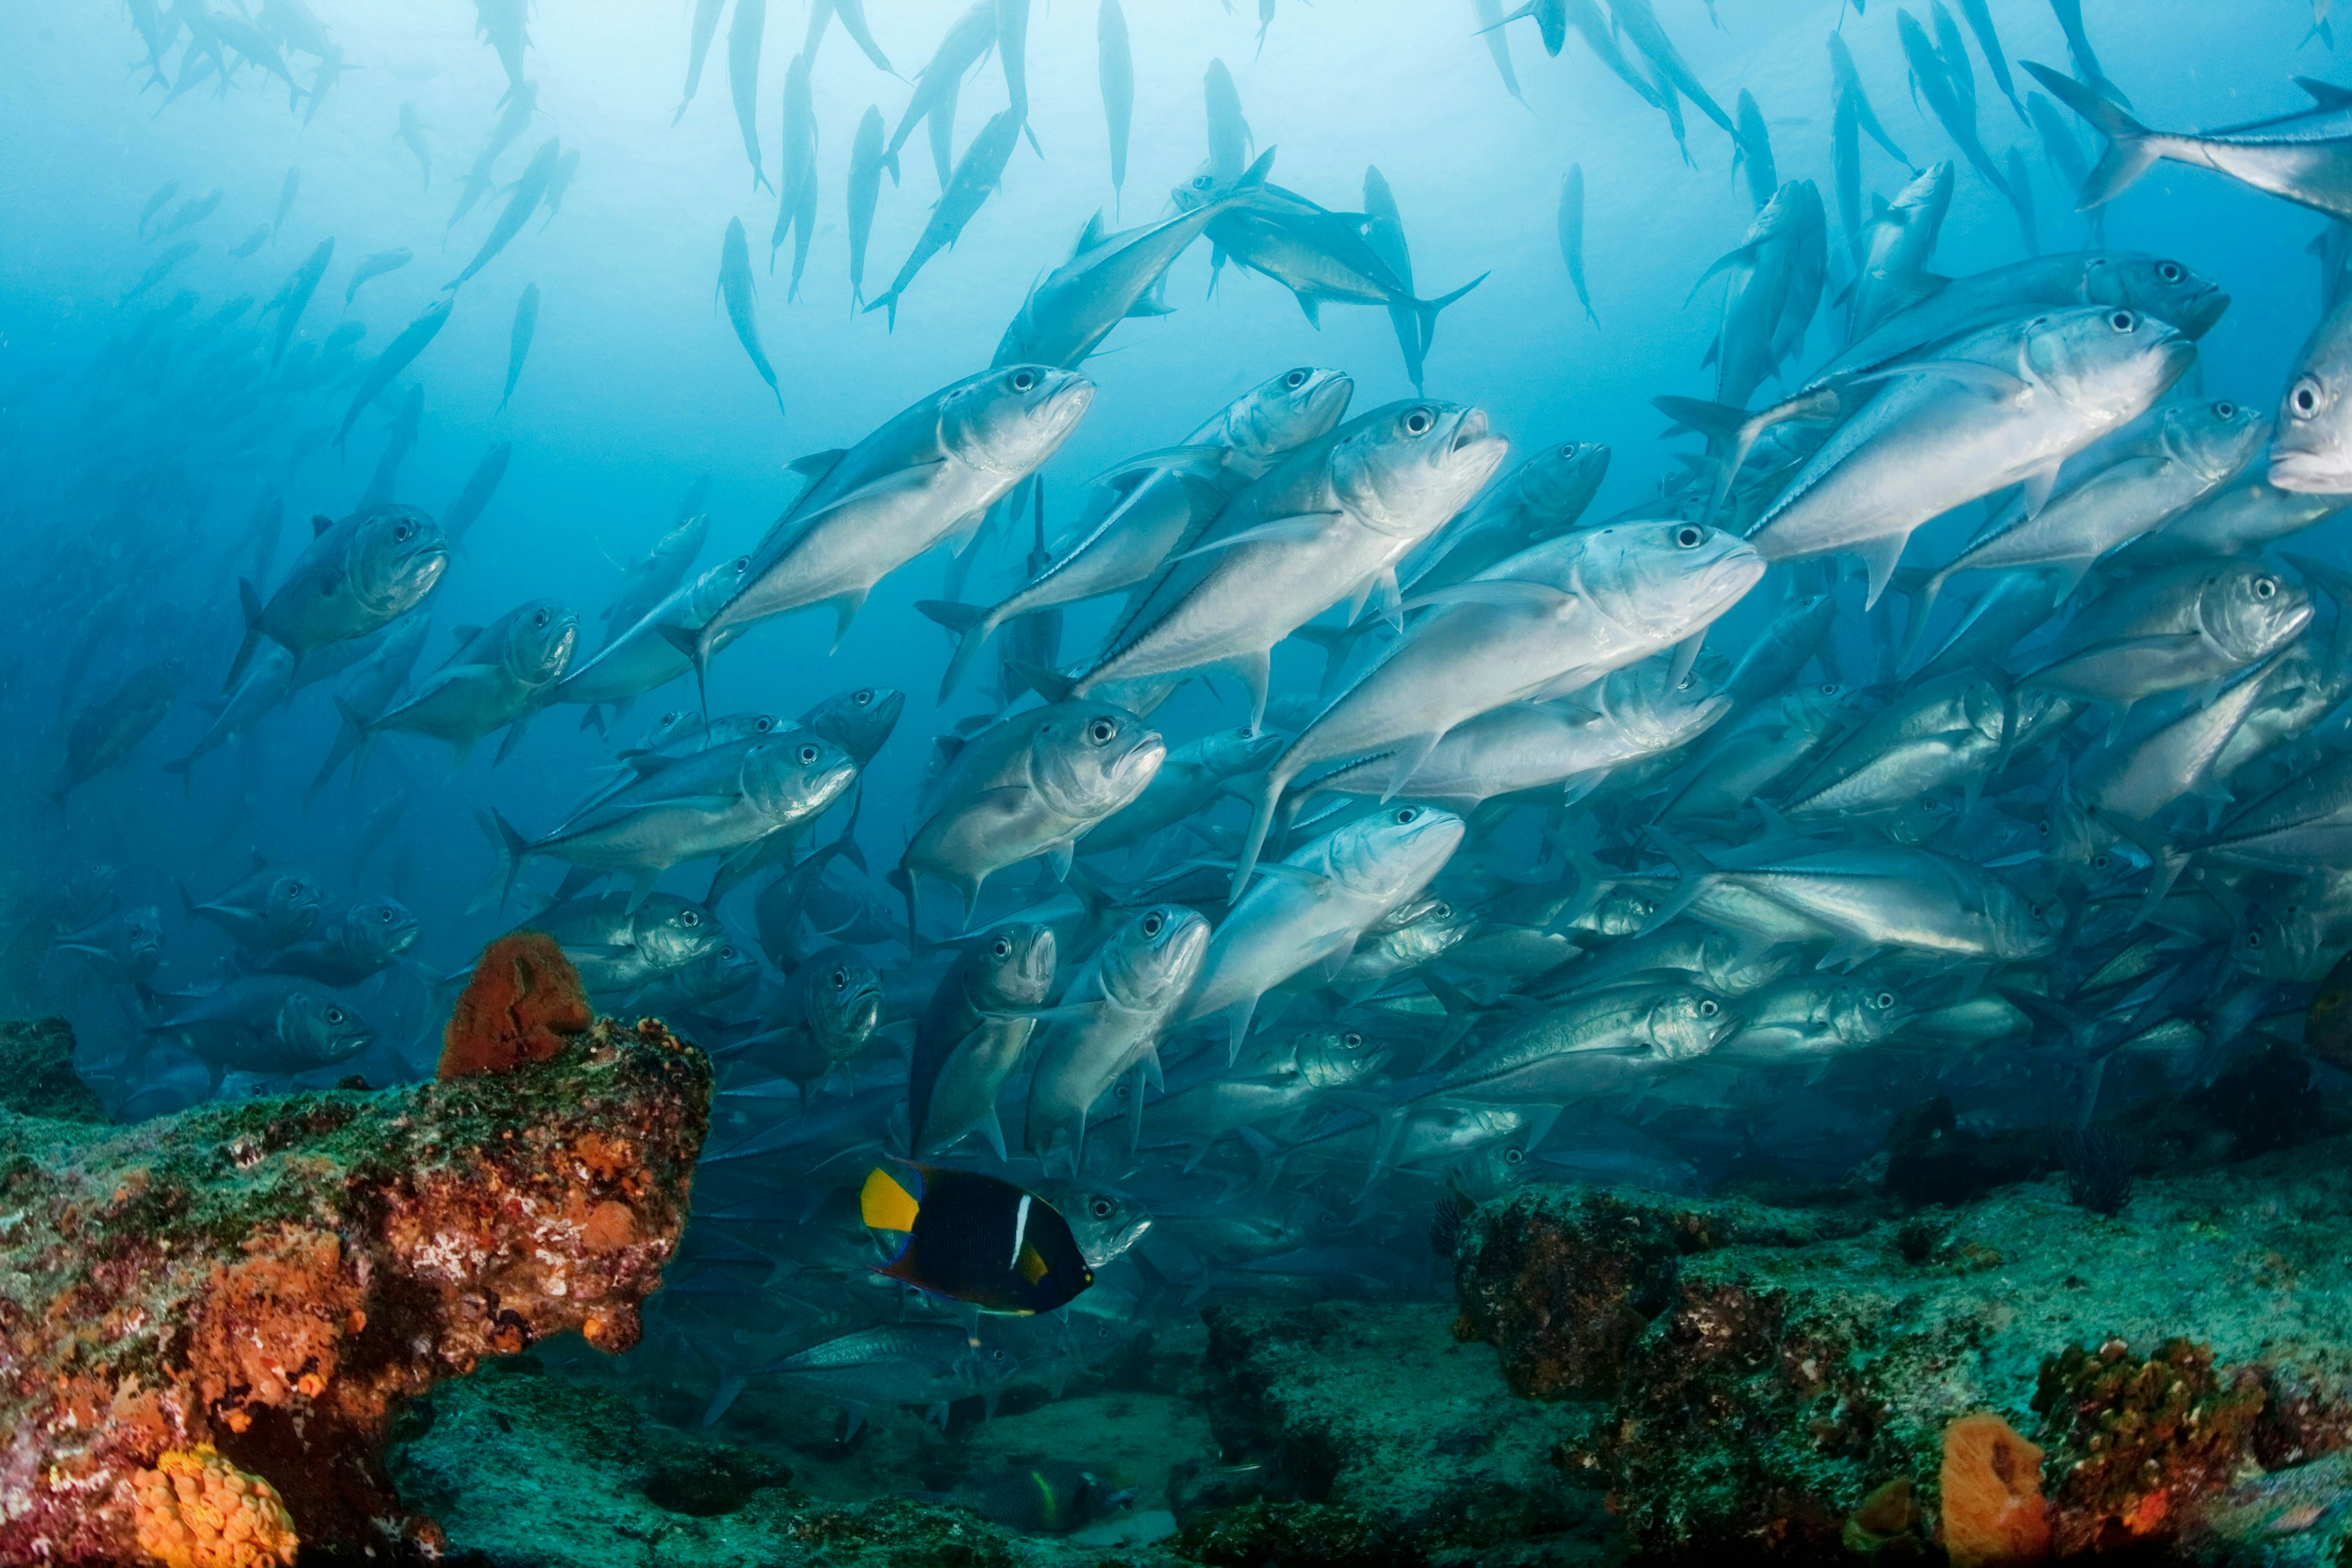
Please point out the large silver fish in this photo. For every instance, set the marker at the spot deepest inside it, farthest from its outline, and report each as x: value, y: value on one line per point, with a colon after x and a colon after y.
x: 928, y: 476
x: 1327, y: 523
x: 1034, y: 783
x: 2007, y: 405
x: 1110, y: 1020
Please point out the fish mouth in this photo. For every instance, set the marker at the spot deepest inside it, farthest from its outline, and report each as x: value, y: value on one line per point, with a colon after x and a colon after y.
x: 2203, y: 311
x: 1143, y: 759
x: 1335, y: 387
x: 1468, y: 431
x: 1067, y: 404
x: 2305, y: 471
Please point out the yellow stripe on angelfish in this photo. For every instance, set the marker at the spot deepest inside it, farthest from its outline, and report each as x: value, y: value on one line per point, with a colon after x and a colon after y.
x: 883, y: 1204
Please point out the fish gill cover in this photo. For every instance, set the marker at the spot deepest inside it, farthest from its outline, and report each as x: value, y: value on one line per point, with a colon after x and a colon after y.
x: 1260, y: 625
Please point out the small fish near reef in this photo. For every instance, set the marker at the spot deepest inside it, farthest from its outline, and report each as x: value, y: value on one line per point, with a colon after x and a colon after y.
x: 976, y: 1240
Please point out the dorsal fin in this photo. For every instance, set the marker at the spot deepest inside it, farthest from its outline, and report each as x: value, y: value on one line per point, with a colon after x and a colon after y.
x: 466, y: 634
x: 816, y: 465
x: 2326, y: 94
x: 1090, y: 235
x: 320, y: 523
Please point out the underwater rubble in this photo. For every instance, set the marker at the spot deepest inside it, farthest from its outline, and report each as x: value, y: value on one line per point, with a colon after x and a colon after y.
x: 204, y: 1314
x: 1817, y: 1385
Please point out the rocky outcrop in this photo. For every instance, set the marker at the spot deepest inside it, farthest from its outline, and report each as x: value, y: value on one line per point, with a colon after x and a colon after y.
x: 263, y: 1283
x: 1769, y: 1374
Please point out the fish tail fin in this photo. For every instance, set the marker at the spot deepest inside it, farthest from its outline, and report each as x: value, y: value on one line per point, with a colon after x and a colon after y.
x: 250, y: 602
x: 1695, y: 876
x: 694, y: 645
x: 904, y: 880
x: 186, y: 768
x: 1336, y: 643
x: 347, y: 743
x: 2132, y: 147
x: 731, y: 1387
x: 1427, y: 311
x: 1050, y: 684
x: 1920, y: 596
x: 969, y: 624
x: 1269, y: 796
x: 509, y: 847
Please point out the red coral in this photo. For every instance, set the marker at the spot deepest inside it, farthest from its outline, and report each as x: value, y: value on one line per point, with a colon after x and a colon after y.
x: 1994, y: 1514
x: 524, y: 1003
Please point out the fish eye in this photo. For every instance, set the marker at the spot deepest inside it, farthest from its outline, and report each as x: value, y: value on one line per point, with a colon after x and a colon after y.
x: 1351, y: 1040
x: 2253, y: 939
x: 1829, y: 688
x: 1688, y: 536
x: 742, y: 564
x: 863, y: 697
x: 762, y: 724
x: 1709, y: 1008
x: 1022, y: 380
x: 2304, y: 400
x: 334, y: 1015
x: 1514, y: 1156
x: 1002, y: 948
x: 1101, y: 731
x: 669, y: 718
x: 1152, y: 923
x: 384, y: 915
x: 1099, y: 1207
x: 1886, y: 999
x: 808, y: 755
x: 727, y: 952
x: 2170, y: 271
x: 2101, y: 862
x: 1202, y: 183
x: 539, y: 619
x: 2266, y: 588
x: 402, y: 533
x: 1568, y: 450
x: 2044, y: 827
x: 1440, y: 910
x: 690, y: 917
x: 841, y: 979
x: 1418, y: 421
x: 1295, y: 379
x: 1407, y: 814
x: 2225, y: 409
x: 2122, y: 321
x: 2035, y: 912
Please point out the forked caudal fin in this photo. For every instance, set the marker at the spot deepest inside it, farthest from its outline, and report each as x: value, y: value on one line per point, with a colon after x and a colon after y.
x: 2132, y: 147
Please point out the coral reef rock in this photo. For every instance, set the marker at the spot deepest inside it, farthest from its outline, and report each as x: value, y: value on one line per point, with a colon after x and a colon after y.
x: 527, y: 1469
x: 1371, y: 1424
x: 37, y: 1072
x: 2016, y: 1380
x: 202, y: 1313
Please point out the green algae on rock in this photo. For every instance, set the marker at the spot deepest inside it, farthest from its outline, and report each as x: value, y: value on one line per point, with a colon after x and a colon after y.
x: 275, y: 1277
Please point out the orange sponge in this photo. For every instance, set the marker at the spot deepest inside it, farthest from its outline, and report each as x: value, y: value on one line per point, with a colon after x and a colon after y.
x: 524, y: 1001
x: 1993, y: 1512
x: 196, y: 1509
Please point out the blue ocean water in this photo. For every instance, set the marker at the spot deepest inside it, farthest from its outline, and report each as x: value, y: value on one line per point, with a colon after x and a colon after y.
x: 139, y: 436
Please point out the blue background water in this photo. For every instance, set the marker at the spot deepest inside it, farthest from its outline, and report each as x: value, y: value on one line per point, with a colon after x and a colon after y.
x: 635, y: 385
